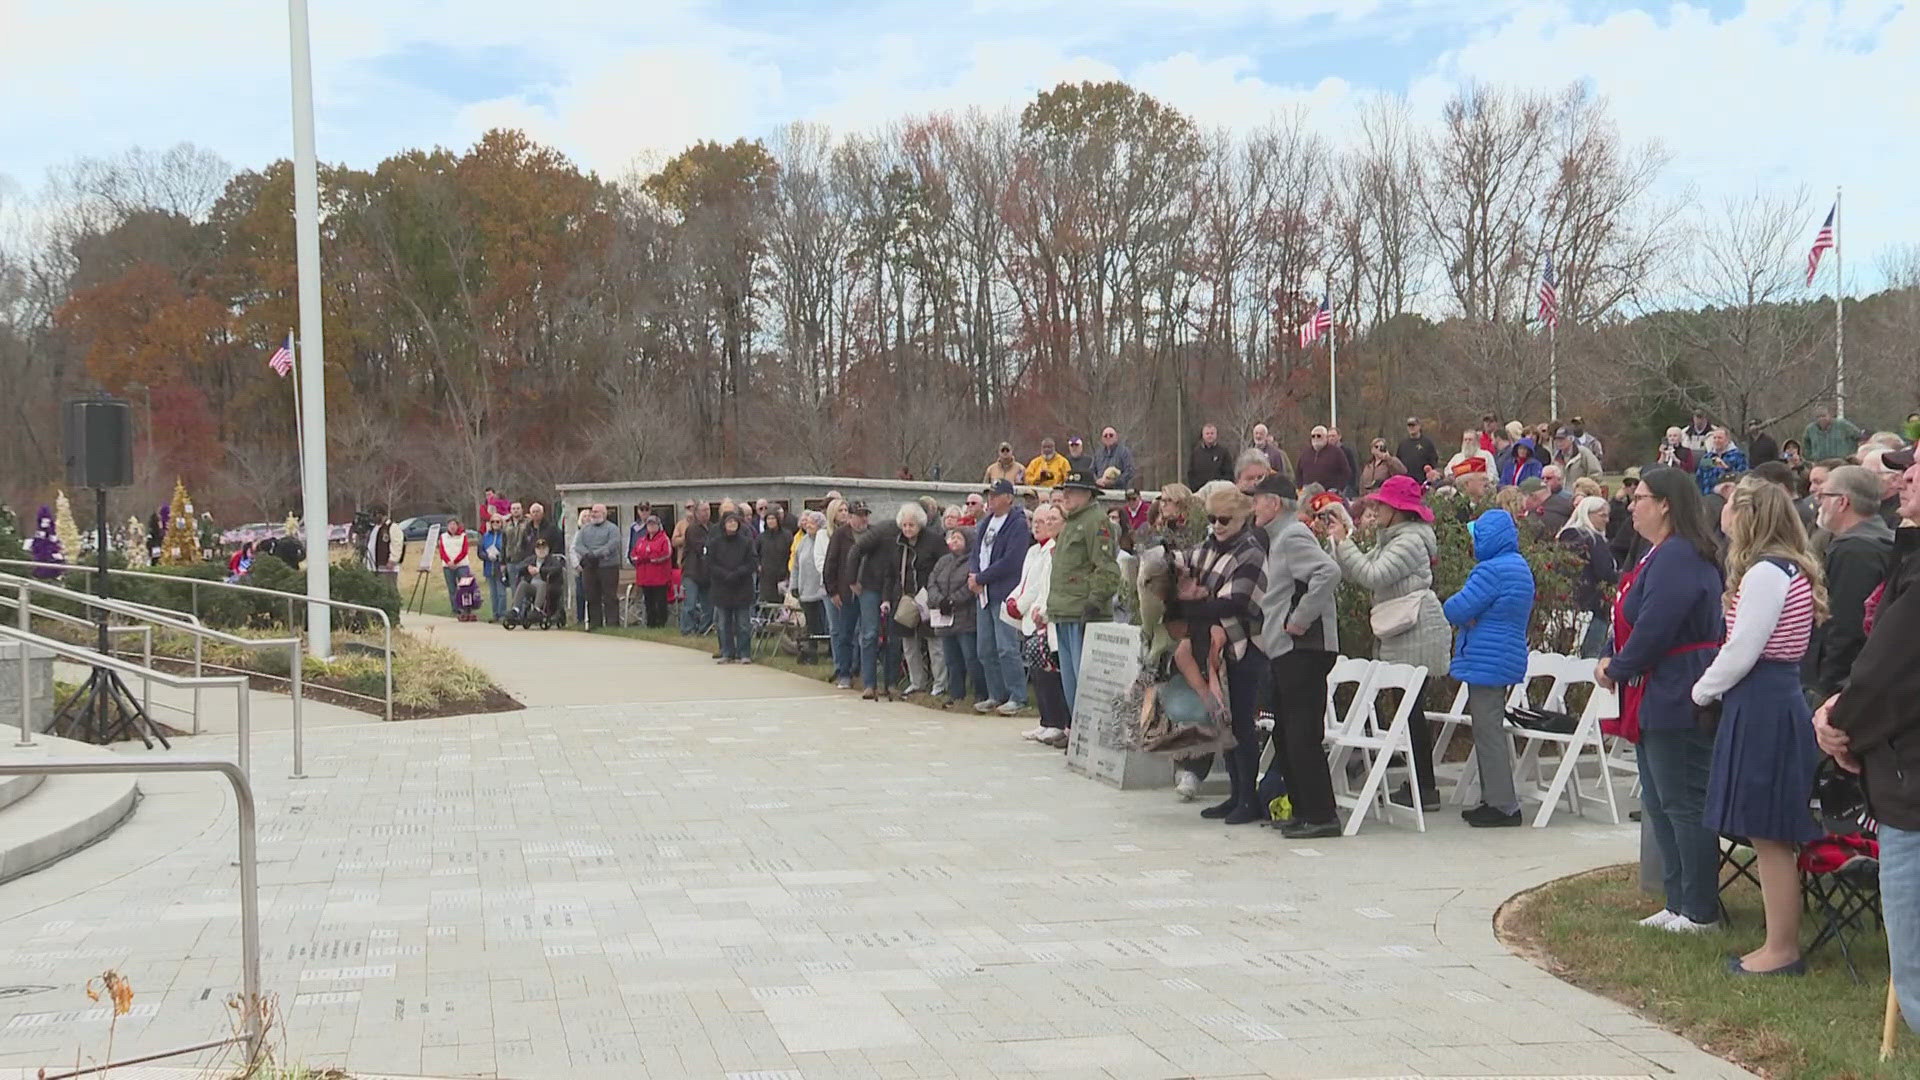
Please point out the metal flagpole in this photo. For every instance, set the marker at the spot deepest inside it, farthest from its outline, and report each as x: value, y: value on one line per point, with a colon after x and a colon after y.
x: 313, y: 422
x: 1553, y: 371
x: 1333, y: 363
x: 1839, y: 318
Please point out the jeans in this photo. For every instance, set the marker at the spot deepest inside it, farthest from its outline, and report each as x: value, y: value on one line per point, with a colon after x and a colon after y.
x: 452, y: 574
x: 1673, y: 791
x: 654, y: 597
x: 998, y: 646
x: 496, y: 591
x: 695, y: 617
x: 1071, y: 636
x: 843, y: 622
x: 736, y: 631
x: 1493, y: 749
x: 1299, y: 697
x: 870, y: 638
x: 963, y: 667
x: 1900, y: 901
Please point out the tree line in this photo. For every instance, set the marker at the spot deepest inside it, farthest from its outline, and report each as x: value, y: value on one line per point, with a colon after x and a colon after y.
x: 860, y: 303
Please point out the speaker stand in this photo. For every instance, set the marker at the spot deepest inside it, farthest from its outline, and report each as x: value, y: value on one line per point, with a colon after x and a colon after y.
x: 104, y: 711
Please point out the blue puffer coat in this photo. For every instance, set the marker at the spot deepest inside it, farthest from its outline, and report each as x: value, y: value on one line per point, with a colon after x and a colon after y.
x: 1493, y: 607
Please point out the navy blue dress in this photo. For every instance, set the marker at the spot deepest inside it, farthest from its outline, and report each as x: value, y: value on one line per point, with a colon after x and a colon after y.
x: 1764, y: 759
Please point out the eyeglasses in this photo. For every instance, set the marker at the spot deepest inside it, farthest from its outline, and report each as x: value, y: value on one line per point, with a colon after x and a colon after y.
x: 1641, y: 496
x: 1829, y: 495
x: 1222, y: 519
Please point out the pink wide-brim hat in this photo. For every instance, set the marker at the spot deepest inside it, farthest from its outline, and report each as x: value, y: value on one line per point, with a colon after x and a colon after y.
x: 1404, y: 493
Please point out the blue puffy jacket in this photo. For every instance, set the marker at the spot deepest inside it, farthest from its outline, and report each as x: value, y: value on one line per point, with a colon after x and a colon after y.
x: 1493, y: 607
x: 1513, y: 470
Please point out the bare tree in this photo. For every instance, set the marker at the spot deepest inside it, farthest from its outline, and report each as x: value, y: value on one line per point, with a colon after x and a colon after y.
x: 1483, y: 190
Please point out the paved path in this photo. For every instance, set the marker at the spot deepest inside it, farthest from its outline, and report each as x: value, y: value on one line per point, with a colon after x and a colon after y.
x: 669, y: 869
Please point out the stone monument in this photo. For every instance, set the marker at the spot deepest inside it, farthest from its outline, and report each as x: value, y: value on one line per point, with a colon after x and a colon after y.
x: 1100, y: 743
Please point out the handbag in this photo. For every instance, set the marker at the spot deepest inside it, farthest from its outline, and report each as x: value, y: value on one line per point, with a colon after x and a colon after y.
x: 1391, y: 618
x: 907, y: 611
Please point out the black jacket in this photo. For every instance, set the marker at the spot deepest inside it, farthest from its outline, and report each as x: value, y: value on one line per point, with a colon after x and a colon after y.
x: 916, y: 559
x: 693, y: 556
x: 1417, y: 454
x: 1856, y: 565
x: 1208, y: 463
x: 730, y: 566
x: 1599, y: 571
x: 876, y: 560
x: 1880, y: 707
x: 837, y: 575
x: 1762, y: 449
x: 532, y: 533
x: 775, y: 544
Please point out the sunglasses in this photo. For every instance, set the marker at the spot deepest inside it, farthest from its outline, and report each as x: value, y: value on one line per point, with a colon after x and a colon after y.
x: 1222, y: 519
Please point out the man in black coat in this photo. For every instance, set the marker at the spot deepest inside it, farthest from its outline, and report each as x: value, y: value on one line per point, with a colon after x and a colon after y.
x: 1760, y: 446
x: 1417, y: 452
x: 1210, y: 460
x: 1848, y: 503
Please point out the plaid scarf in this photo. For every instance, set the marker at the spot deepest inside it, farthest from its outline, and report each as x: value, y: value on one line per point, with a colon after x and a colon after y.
x: 1235, y: 570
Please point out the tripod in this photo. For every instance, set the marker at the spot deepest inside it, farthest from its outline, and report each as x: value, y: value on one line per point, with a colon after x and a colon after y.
x: 104, y: 710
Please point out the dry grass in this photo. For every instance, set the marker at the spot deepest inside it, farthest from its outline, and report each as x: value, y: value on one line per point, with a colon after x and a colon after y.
x: 1822, y: 1027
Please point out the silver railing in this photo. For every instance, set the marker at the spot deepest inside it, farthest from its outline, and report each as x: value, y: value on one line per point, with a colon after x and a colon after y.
x: 82, y: 654
x: 145, y: 633
x: 194, y: 586
x: 253, y: 1027
x: 25, y: 587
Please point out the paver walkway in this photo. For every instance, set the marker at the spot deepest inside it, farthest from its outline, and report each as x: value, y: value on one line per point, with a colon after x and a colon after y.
x: 669, y: 869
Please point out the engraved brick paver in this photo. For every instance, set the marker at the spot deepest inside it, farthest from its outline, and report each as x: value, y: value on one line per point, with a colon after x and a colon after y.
x: 776, y: 881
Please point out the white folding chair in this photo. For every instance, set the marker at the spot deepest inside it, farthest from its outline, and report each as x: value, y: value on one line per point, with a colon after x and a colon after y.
x: 1467, y: 785
x: 1585, y: 739
x: 1380, y: 743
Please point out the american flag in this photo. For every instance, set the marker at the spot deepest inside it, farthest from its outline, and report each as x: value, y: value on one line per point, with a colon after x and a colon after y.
x: 282, y: 359
x: 1549, y: 296
x: 1822, y: 241
x: 1321, y: 322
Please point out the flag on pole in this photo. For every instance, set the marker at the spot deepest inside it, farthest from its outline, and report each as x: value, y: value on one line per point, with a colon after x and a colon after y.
x: 1321, y: 322
x: 282, y: 359
x: 1549, y: 295
x: 1822, y: 242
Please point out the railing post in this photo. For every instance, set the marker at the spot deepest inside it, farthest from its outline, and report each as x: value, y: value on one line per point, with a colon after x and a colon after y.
x: 24, y: 602
x: 299, y: 752
x: 246, y: 729
x: 198, y: 643
x: 389, y: 629
x: 249, y: 908
x: 146, y: 681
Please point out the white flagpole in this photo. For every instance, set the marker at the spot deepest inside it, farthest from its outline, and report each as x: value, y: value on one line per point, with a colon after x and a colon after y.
x: 1333, y: 363
x: 306, y: 219
x: 1553, y: 369
x: 1839, y: 318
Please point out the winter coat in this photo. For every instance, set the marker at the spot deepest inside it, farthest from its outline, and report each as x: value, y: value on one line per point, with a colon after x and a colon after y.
x: 1514, y: 470
x: 775, y: 545
x: 1839, y: 440
x: 1880, y: 708
x: 1326, y: 466
x: 1086, y: 568
x: 1208, y: 463
x: 1120, y: 457
x: 876, y: 561
x: 1763, y: 449
x: 947, y: 592
x: 454, y: 548
x: 838, y: 574
x: 1029, y: 597
x: 598, y: 543
x: 652, y: 560
x: 808, y: 579
x: 1046, y: 471
x: 1579, y: 462
x: 1401, y: 563
x: 1709, y: 473
x: 1856, y: 564
x: 1004, y: 558
x: 1417, y: 453
x: 915, y: 560
x: 693, y: 553
x: 730, y: 566
x: 1675, y: 601
x: 1377, y: 471
x: 1493, y: 607
x: 1301, y: 582
x: 1013, y: 472
x: 492, y: 547
x: 1597, y: 571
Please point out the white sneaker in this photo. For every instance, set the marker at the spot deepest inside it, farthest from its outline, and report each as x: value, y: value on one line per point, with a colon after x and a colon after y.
x: 1680, y: 924
x: 1659, y: 919
x: 1055, y: 737
x: 1033, y: 734
x: 1187, y: 785
x: 1011, y: 708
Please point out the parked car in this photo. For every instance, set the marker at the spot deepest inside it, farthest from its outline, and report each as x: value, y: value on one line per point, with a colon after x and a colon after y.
x: 416, y: 528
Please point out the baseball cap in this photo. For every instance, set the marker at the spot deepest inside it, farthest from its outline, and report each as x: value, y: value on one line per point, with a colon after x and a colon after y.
x: 1413, y: 419
x: 1073, y: 440
x: 1632, y: 473
x: 859, y: 506
x: 1532, y: 484
x: 1276, y: 484
x: 1006, y: 447
x: 1001, y: 487
x: 1898, y: 459
x: 1562, y: 433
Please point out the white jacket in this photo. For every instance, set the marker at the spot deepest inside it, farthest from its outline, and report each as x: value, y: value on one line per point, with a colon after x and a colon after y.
x: 1030, y: 596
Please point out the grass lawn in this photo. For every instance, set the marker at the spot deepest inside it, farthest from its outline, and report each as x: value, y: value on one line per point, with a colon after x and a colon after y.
x: 1822, y: 1027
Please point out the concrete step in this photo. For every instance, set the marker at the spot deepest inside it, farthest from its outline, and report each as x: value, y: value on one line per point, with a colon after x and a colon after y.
x: 15, y: 788
x: 61, y: 814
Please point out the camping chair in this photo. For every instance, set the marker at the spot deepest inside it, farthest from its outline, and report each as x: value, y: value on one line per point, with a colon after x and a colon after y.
x: 770, y: 623
x: 1840, y: 874
x: 1379, y: 742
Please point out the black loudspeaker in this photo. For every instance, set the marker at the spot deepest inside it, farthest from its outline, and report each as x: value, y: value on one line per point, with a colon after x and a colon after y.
x: 99, y: 443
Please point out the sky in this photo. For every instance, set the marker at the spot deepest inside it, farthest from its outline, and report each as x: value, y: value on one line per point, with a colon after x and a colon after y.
x: 1780, y: 94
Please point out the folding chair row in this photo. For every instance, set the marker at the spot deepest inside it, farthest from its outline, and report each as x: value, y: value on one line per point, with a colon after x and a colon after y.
x: 1380, y: 742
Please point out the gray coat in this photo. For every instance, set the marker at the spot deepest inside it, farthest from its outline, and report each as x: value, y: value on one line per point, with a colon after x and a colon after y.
x: 806, y: 580
x: 1301, y: 582
x: 1401, y: 562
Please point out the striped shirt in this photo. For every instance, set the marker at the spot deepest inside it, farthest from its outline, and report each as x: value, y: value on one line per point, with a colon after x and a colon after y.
x: 1778, y: 603
x: 1793, y: 629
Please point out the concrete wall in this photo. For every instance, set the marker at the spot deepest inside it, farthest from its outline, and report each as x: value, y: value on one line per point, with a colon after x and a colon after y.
x: 40, y: 665
x: 882, y: 495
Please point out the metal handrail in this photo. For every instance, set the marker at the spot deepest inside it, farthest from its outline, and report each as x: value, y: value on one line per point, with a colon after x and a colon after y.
x: 252, y: 1014
x: 94, y: 658
x: 193, y: 588
x: 25, y: 586
x: 146, y: 642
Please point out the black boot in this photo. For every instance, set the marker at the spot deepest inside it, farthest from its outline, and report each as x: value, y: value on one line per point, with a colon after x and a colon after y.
x: 1215, y: 813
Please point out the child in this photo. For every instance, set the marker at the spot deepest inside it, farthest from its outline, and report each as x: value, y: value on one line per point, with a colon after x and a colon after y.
x: 466, y: 595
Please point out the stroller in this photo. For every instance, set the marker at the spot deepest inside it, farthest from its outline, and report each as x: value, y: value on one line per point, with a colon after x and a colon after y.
x: 538, y: 595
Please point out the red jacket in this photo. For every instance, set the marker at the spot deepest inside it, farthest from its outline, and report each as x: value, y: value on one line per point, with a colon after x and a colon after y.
x: 653, y: 559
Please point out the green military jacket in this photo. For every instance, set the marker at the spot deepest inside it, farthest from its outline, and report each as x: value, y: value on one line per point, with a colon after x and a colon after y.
x: 1086, y: 568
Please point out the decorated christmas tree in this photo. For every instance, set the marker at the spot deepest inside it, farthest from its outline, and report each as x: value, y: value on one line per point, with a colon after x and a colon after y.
x: 179, y: 546
x: 64, y: 527
x: 134, y: 541
x: 45, y: 546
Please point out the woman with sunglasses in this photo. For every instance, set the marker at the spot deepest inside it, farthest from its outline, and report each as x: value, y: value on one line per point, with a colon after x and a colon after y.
x: 1229, y: 572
